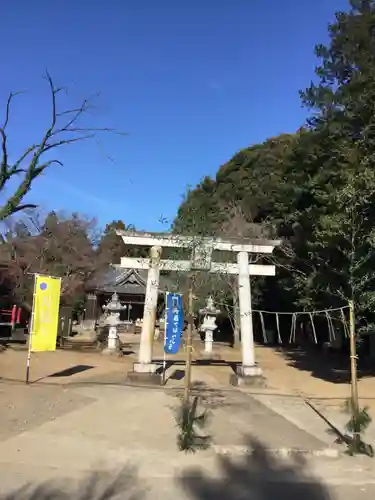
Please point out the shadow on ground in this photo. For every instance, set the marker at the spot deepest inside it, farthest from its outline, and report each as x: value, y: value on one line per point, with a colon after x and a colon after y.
x: 73, y: 370
x: 325, y: 364
x: 67, y: 372
x: 197, y: 362
x: 256, y: 477
x: 259, y: 476
x: 95, y: 486
x: 209, y: 398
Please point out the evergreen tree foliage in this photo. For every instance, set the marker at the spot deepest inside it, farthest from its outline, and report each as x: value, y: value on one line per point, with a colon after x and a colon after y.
x: 316, y: 187
x: 191, y: 425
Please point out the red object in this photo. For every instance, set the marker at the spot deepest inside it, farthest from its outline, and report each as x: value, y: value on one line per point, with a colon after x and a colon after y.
x: 18, y: 316
x: 13, y: 316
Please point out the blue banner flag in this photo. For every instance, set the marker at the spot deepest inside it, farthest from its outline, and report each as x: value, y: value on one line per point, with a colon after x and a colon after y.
x: 174, y: 322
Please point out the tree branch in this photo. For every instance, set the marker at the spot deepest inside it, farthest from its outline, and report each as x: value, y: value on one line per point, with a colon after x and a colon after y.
x: 4, y: 172
x: 26, y: 206
x: 34, y: 168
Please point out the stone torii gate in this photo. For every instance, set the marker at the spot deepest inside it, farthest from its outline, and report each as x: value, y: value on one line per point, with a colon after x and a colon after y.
x: 201, y: 249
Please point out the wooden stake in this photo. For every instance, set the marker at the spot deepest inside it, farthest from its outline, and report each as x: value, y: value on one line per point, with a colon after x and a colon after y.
x: 165, y: 338
x: 189, y: 346
x: 353, y: 373
x: 31, y: 329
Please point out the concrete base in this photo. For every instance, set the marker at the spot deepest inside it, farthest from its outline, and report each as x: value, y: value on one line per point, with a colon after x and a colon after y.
x: 86, y: 335
x: 248, y: 375
x: 144, y: 378
x: 111, y: 352
x: 145, y: 367
x: 86, y: 329
x: 88, y: 324
x: 145, y: 373
x: 249, y: 371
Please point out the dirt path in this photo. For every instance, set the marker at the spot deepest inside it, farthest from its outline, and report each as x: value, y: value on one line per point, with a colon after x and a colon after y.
x: 66, y: 368
x: 280, y: 370
x: 283, y: 377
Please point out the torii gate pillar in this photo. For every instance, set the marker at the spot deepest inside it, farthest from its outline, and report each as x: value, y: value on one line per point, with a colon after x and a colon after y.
x: 248, y: 367
x: 145, y: 364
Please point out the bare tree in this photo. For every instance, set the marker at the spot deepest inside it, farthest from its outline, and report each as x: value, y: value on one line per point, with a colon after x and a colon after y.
x: 64, y: 128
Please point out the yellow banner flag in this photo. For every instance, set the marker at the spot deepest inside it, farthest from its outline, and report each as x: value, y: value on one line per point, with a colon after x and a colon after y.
x: 45, y: 317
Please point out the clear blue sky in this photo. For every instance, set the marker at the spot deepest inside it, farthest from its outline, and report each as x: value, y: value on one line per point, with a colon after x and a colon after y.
x: 191, y: 82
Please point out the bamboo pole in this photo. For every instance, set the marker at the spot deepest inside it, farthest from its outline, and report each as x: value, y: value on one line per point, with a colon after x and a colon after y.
x: 353, y: 374
x: 165, y: 338
x: 189, y: 343
x: 31, y: 330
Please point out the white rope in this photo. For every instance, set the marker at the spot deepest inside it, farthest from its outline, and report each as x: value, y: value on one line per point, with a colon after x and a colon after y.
x: 344, y: 323
x: 278, y: 329
x: 313, y: 327
x: 331, y: 329
x: 315, y: 311
x: 295, y: 314
x: 293, y: 329
x: 263, y: 311
x: 263, y: 328
x: 322, y: 311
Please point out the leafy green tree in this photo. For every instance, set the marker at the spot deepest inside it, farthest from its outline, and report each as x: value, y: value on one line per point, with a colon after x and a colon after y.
x: 197, y: 214
x: 111, y: 247
x: 315, y: 188
x: 246, y: 199
x: 342, y: 183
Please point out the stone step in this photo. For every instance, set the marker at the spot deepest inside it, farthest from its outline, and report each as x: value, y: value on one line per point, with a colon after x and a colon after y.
x: 79, y: 343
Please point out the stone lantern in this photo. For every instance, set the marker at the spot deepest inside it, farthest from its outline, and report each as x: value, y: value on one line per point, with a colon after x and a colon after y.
x: 113, y: 308
x: 209, y: 313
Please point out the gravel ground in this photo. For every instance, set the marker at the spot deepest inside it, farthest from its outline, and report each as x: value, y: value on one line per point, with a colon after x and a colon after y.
x: 26, y: 407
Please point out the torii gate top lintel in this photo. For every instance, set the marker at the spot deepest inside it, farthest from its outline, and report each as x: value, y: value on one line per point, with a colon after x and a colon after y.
x: 183, y: 241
